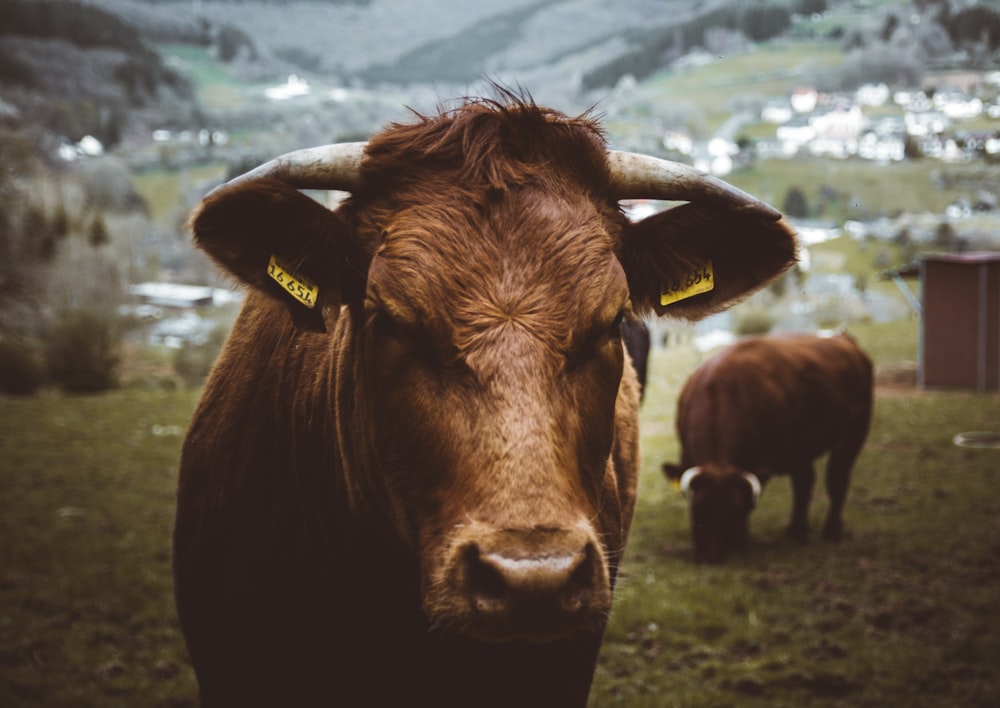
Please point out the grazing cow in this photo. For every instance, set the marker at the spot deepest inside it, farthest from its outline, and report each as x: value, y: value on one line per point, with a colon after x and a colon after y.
x: 412, y: 472
x: 767, y: 406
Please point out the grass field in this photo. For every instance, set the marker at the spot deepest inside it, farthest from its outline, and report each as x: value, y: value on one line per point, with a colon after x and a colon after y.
x: 866, y: 189
x: 773, y: 69
x: 217, y: 88
x: 86, y: 612
x: 166, y: 191
x: 903, y: 612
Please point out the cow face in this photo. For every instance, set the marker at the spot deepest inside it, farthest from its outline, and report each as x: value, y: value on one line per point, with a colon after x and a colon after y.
x: 720, y: 499
x: 485, y: 267
x: 492, y: 361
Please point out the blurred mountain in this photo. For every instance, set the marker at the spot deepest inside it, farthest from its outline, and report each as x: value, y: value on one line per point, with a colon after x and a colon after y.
x: 575, y: 43
x: 72, y: 70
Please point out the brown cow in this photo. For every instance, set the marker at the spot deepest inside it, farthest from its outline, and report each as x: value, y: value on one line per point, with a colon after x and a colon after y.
x: 763, y: 407
x: 412, y: 471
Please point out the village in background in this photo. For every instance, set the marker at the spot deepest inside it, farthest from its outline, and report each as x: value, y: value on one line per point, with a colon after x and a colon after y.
x: 117, y: 116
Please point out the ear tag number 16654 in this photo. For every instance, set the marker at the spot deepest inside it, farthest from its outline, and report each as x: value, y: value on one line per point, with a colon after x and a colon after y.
x: 700, y: 279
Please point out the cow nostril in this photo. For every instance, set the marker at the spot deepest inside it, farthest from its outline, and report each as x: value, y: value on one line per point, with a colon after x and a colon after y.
x: 560, y: 582
x: 485, y: 582
x: 581, y: 580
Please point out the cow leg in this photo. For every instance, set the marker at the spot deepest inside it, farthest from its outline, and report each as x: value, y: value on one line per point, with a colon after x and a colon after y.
x: 838, y: 477
x: 803, y: 480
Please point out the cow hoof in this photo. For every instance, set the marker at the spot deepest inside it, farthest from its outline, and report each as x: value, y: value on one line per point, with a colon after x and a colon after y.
x: 797, y: 533
x: 833, y: 534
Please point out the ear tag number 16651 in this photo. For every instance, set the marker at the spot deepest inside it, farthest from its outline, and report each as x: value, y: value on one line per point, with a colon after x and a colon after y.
x: 302, y: 289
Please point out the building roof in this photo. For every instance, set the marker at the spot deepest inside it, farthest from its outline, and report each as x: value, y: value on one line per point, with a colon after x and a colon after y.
x: 970, y: 258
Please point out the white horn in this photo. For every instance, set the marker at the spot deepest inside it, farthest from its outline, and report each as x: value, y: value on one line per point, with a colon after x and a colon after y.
x: 689, y: 474
x: 635, y: 176
x: 755, y: 486
x: 336, y: 166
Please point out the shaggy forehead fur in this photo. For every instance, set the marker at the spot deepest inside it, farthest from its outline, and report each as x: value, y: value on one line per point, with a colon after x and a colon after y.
x: 499, y: 215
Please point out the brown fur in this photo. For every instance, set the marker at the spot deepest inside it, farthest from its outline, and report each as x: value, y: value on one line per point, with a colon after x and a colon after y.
x: 770, y: 406
x: 461, y: 410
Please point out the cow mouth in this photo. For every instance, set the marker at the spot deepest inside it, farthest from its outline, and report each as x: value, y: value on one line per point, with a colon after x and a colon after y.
x: 536, y: 586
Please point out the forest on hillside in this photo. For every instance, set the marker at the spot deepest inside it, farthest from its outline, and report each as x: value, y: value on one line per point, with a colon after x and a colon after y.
x: 104, y: 75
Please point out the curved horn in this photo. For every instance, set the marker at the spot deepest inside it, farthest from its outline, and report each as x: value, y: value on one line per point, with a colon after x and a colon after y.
x: 689, y: 474
x: 336, y: 166
x: 755, y: 486
x: 635, y: 176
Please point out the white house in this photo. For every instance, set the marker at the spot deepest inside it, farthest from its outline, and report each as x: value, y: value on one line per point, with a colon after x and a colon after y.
x: 678, y: 141
x: 293, y: 87
x: 777, y: 110
x: 872, y: 95
x: 882, y: 148
x: 839, y: 122
x: 804, y: 99
x: 89, y: 146
x: 957, y: 105
x: 923, y: 123
x: 912, y: 100
x: 173, y: 294
x: 794, y: 134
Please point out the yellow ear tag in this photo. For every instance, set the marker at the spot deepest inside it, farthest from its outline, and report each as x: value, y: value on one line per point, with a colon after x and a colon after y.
x: 699, y: 280
x: 302, y: 289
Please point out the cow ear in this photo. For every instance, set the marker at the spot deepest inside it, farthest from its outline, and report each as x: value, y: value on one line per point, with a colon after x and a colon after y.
x: 275, y: 239
x: 696, y: 259
x: 673, y: 473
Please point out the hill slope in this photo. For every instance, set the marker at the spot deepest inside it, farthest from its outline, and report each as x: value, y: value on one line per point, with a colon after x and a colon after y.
x: 71, y: 70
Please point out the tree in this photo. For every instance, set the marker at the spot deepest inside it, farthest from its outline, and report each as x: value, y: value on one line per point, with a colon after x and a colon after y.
x: 21, y: 373
x: 97, y: 235
x: 81, y: 352
x: 809, y: 7
x: 944, y: 236
x: 795, y: 203
x: 231, y: 40
x: 977, y: 23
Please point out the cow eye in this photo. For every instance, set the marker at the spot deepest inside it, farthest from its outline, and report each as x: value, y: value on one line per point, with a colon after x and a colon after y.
x: 417, y: 342
x: 385, y: 325
x: 591, y: 343
x: 615, y: 331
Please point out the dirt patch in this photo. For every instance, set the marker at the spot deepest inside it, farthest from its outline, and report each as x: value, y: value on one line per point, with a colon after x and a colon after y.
x: 897, y: 379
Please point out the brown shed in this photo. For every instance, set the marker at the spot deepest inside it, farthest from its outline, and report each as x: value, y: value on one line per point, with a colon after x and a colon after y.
x: 960, y: 326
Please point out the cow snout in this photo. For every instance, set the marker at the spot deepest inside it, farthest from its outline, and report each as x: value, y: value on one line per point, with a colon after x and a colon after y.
x: 537, y: 585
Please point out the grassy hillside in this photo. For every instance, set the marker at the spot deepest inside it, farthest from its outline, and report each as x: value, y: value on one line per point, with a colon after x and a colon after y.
x: 73, y: 69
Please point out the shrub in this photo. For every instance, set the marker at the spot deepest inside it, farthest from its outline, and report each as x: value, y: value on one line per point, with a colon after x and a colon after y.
x: 193, y: 361
x: 21, y: 373
x: 754, y: 323
x: 81, y: 352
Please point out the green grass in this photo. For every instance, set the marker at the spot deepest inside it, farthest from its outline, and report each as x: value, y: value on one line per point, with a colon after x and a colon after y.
x: 165, y: 191
x: 86, y: 611
x: 216, y: 86
x: 773, y: 70
x: 866, y: 189
x: 860, y: 14
x: 906, y: 611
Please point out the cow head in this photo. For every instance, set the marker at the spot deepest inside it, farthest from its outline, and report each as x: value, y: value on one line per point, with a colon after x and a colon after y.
x: 484, y: 266
x: 721, y: 498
